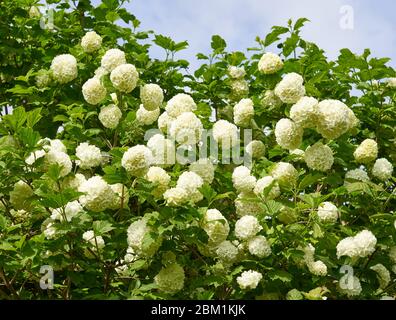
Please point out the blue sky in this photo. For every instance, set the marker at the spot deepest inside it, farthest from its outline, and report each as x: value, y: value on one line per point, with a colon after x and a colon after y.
x: 240, y: 21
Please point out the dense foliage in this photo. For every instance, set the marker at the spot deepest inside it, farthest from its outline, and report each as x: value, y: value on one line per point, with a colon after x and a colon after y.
x: 83, y: 190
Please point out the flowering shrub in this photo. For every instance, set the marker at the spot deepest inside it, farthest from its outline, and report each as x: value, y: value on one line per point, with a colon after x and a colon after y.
x: 107, y: 177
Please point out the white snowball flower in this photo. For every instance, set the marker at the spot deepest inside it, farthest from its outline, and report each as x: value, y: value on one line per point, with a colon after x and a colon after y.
x: 112, y: 59
x: 248, y: 204
x: 247, y: 227
x: 64, y: 68
x: 163, y: 150
x: 100, y: 72
x: 264, y: 183
x: 160, y: 178
x: 136, y: 233
x: 361, y: 245
x: 91, y: 42
x: 95, y: 241
x: 317, y: 268
x: 242, y: 180
x: 391, y: 83
x: 285, y: 174
x: 70, y: 210
x: 49, y: 229
x: 225, y: 134
x: 43, y: 79
x: 356, y: 174
x: 186, y: 129
x: 20, y: 195
x: 270, y: 100
x: 366, y: 152
x: 249, y: 279
x: 190, y: 182
x: 93, y: 91
x: 110, y: 116
x: 319, y: 157
x: 170, y: 279
x: 151, y: 96
x: 259, y: 246
x: 54, y: 145
x: 298, y: 155
x: 124, y: 77
x: 60, y: 158
x: 34, y: 156
x: 350, y: 285
x: 73, y: 182
x: 204, y: 168
x: 243, y: 112
x: 239, y: 88
x: 328, y: 212
x: 382, y: 169
x: 227, y: 252
x: 176, y: 196
x: 290, y: 89
x: 383, y: 275
x: 137, y: 160
x: 256, y: 149
x: 236, y: 72
x: 147, y: 117
x: 164, y: 122
x: 98, y: 194
x: 90, y: 156
x: 270, y: 63
x: 288, y: 135
x: 216, y: 226
x: 303, y: 113
x: 333, y: 119
x: 120, y: 196
x: 179, y: 104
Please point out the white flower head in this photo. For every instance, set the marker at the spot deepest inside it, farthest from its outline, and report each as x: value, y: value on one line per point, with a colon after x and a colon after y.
x: 90, y: 156
x: 225, y: 134
x: 259, y: 246
x: 147, y: 117
x: 328, y: 212
x: 91, y: 42
x: 112, y: 59
x: 243, y: 112
x: 288, y: 134
x: 304, y: 112
x: 319, y: 157
x: 137, y: 160
x: 64, y: 68
x: 270, y: 63
x: 366, y: 152
x: 186, y: 128
x: 249, y: 279
x: 110, y: 116
x: 151, y: 96
x: 242, y: 180
x: 98, y: 195
x: 382, y: 169
x: 247, y: 227
x: 290, y: 89
x: 179, y: 104
x: 93, y: 91
x: 124, y: 77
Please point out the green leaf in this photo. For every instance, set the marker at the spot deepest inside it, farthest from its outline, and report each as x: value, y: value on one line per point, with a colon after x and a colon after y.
x: 309, y: 180
x: 300, y: 23
x: 102, y: 227
x: 280, y: 275
x: 274, y: 35
x: 218, y: 44
x: 33, y: 117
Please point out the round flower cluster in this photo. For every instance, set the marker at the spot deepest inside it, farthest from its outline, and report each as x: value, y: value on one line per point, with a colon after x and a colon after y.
x: 186, y: 128
x: 163, y: 150
x: 366, y: 152
x: 151, y: 96
x: 124, y: 77
x: 43, y: 79
x: 89, y: 155
x: 264, y: 183
x: 70, y: 211
x: 319, y: 157
x: 225, y: 134
x: 247, y: 227
x: 243, y: 112
x: 135, y: 236
x: 170, y: 279
x: 242, y: 180
x: 112, y: 59
x: 382, y: 169
x: 204, y: 168
x: 179, y: 104
x: 271, y: 100
x: 239, y: 89
x: 334, y: 118
x: 249, y: 279
x: 285, y: 174
x: 64, y: 68
x: 216, y: 226
x: 270, y: 63
x: 361, y: 245
x: 61, y: 159
x: 350, y: 285
x: 315, y: 267
x: 259, y: 246
x: 176, y: 196
x: 93, y: 91
x: 356, y: 174
x: 110, y: 116
x: 236, y: 72
x: 290, y: 89
x: 383, y: 275
x: 288, y: 135
x: 19, y: 196
x: 137, y: 160
x: 95, y: 241
x: 91, y: 42
x: 303, y: 113
x: 147, y: 117
x: 227, y: 252
x: 73, y: 182
x: 98, y: 194
x: 164, y: 122
x: 328, y: 212
x: 190, y: 182
x: 256, y: 149
x: 160, y: 178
